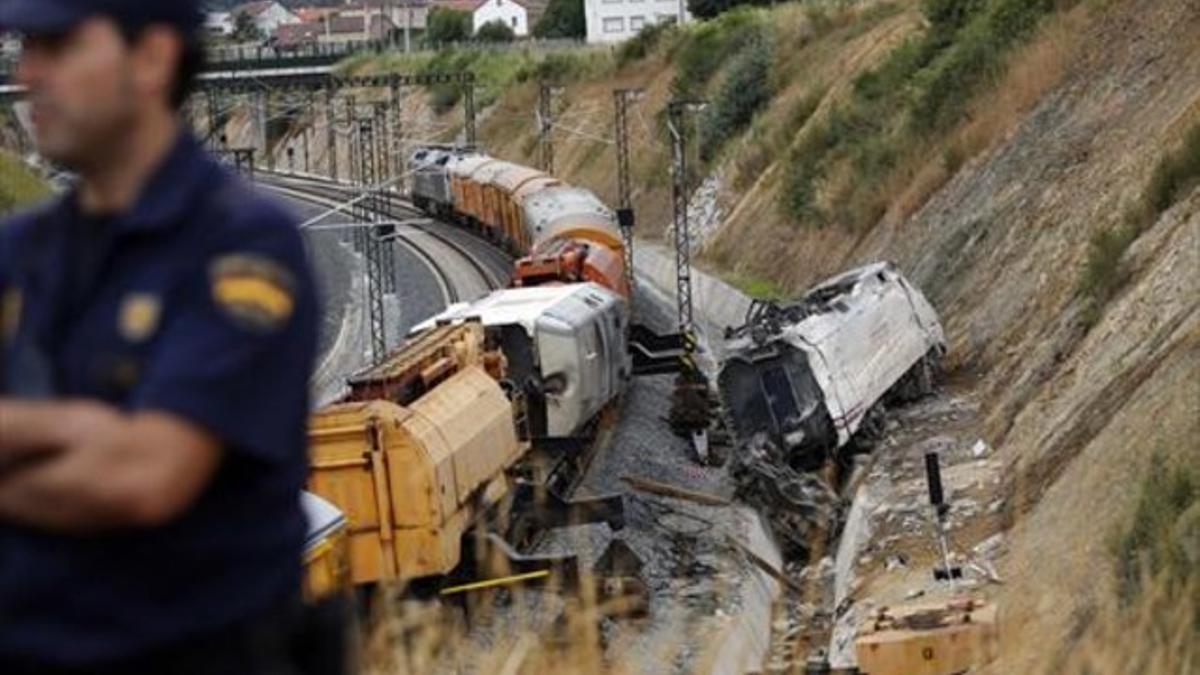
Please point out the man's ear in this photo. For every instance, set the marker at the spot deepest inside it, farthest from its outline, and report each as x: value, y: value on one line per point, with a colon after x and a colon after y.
x: 157, y: 54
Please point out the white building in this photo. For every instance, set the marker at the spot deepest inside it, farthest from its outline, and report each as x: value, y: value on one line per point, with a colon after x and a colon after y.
x: 519, y: 15
x: 219, y: 23
x: 10, y: 45
x: 268, y: 16
x: 618, y: 20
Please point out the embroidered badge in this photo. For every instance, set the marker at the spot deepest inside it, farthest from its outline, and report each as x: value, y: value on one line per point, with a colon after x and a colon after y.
x: 11, y: 304
x: 255, y: 292
x: 139, y: 317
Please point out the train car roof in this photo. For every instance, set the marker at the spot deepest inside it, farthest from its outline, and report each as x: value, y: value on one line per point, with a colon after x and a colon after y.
x: 484, y: 173
x: 467, y: 165
x: 513, y: 176
x: 531, y: 188
x: 523, y: 306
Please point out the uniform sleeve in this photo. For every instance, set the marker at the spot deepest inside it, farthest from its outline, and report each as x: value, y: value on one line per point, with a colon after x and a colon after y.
x: 236, y: 355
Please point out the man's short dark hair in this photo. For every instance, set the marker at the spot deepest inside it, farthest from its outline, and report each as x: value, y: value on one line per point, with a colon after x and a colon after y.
x: 191, y: 64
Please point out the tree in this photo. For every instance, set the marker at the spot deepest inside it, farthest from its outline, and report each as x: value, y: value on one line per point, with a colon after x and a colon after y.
x: 563, y: 19
x: 245, y: 30
x: 707, y: 9
x: 447, y: 25
x: 495, y: 31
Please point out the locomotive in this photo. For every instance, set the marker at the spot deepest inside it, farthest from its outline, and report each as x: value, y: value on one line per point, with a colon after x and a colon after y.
x: 813, y: 374
x: 479, y: 421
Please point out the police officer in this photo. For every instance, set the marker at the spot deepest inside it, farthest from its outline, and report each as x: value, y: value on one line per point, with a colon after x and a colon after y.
x: 157, y: 334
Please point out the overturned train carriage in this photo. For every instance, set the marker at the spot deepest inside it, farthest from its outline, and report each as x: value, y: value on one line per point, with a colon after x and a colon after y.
x: 812, y: 374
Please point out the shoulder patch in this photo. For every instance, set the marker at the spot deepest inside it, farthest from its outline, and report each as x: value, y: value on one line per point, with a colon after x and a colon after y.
x: 255, y: 292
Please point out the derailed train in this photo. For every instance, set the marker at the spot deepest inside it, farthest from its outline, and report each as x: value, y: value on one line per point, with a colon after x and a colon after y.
x: 813, y: 374
x: 440, y: 438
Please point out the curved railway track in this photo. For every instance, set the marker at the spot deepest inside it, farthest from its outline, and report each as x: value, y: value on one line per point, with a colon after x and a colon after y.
x: 435, y: 242
x: 461, y: 266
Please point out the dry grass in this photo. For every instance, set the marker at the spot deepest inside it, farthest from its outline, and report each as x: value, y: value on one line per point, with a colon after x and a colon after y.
x: 1034, y: 71
x: 1160, y: 635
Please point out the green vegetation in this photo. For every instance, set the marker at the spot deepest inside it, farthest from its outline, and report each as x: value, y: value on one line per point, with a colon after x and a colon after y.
x: 495, y: 70
x: 563, y: 19
x: 760, y: 289
x: 18, y: 187
x: 1162, y: 542
x: 446, y: 26
x: 921, y: 90
x: 1177, y: 174
x: 495, y: 31
x: 641, y: 45
x: 745, y: 91
x: 701, y: 49
x: 244, y: 29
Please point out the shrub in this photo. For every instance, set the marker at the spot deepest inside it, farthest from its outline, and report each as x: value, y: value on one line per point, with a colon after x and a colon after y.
x: 707, y: 45
x: 446, y: 26
x: 921, y: 89
x: 495, y: 31
x: 563, y: 19
x: 1175, y: 176
x: 744, y: 92
x: 709, y: 9
x: 1157, y: 541
x: 1103, y: 273
x: 641, y: 45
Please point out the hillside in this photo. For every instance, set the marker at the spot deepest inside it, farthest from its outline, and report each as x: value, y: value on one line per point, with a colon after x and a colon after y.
x: 997, y: 202
x: 1034, y: 167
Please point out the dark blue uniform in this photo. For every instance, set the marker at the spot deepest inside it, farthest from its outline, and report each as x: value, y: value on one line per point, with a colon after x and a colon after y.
x: 198, y: 302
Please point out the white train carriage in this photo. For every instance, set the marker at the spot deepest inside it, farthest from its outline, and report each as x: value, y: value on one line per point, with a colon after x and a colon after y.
x: 809, y: 374
x: 565, y: 345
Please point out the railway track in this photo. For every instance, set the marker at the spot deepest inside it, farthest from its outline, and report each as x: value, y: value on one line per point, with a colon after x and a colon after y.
x: 466, y: 266
x: 460, y: 268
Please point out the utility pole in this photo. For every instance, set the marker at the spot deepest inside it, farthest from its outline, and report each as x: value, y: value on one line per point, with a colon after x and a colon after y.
x: 625, y: 215
x: 397, y: 132
x: 692, y: 404
x: 211, y: 96
x: 676, y: 111
x: 312, y: 120
x: 382, y: 175
x: 330, y: 136
x: 260, y: 121
x: 545, y: 116
x: 351, y: 116
x: 373, y: 243
x: 468, y: 84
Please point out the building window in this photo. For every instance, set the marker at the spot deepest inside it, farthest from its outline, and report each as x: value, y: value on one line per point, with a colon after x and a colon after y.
x: 637, y: 22
x: 614, y: 24
x: 612, y: 2
x: 514, y: 22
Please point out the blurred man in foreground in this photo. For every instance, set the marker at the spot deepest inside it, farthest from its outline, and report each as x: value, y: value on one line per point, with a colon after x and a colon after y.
x: 157, y: 333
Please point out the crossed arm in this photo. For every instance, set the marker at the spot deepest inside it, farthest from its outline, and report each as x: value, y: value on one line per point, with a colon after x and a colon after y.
x: 81, y: 467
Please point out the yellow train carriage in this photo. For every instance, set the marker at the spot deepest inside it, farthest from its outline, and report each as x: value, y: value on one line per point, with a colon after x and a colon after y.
x: 412, y: 476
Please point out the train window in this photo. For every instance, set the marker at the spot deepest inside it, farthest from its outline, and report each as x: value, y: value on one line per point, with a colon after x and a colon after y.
x: 777, y: 388
x: 443, y: 161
